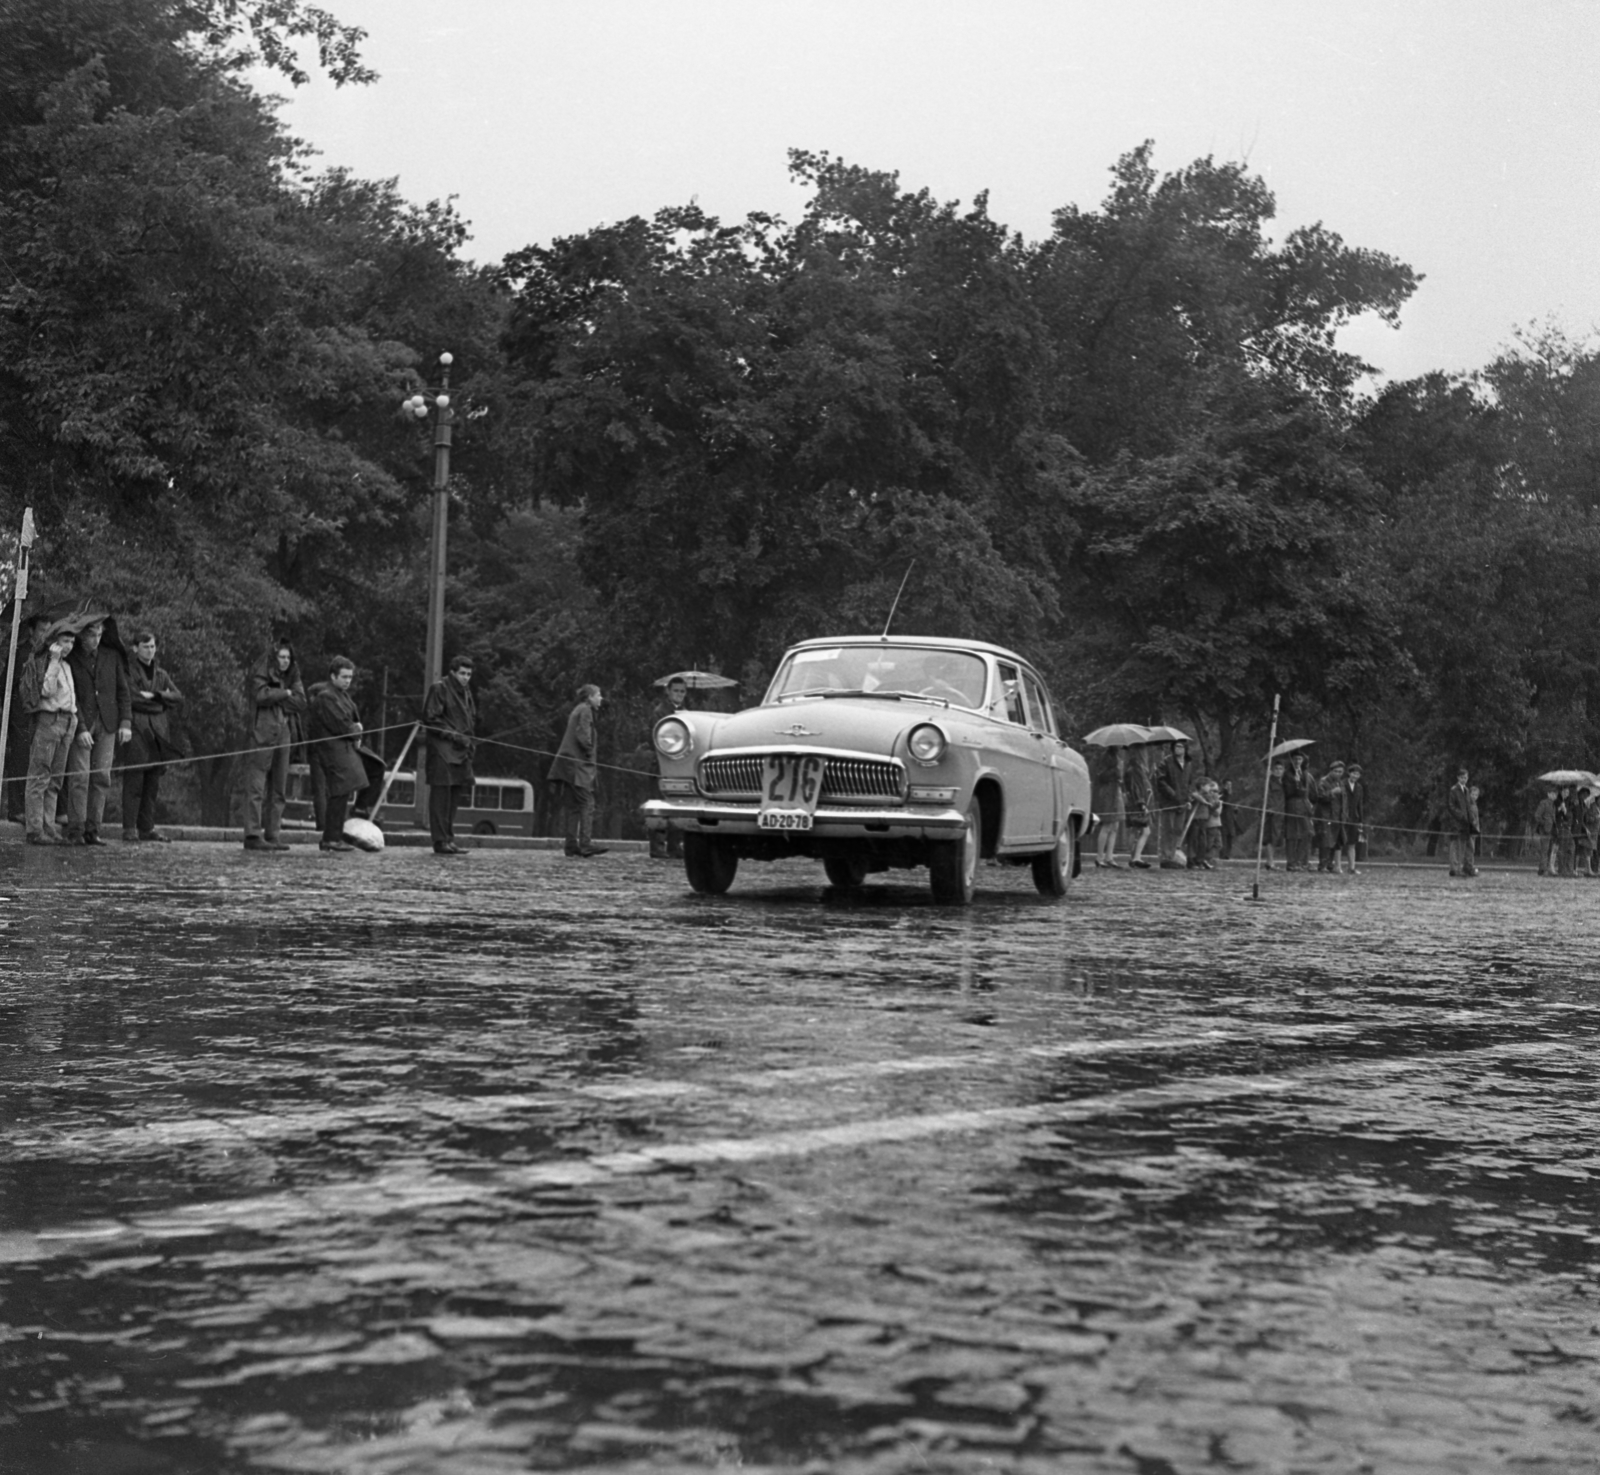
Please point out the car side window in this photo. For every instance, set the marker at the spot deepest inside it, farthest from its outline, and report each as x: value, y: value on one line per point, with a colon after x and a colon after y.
x: 1009, y: 707
x: 1038, y: 705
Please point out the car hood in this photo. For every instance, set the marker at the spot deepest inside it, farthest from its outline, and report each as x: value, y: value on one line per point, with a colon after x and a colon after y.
x: 856, y: 724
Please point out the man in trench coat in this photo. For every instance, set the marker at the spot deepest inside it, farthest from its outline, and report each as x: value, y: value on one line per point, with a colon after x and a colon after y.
x: 450, y: 717
x: 572, y: 776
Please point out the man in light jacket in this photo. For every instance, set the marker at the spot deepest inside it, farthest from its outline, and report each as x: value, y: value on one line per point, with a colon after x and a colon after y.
x: 50, y: 698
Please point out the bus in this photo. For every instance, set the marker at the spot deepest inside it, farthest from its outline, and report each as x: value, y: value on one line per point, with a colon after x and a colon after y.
x: 500, y: 806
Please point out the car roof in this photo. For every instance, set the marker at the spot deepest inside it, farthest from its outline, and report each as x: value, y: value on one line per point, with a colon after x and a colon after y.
x: 937, y: 642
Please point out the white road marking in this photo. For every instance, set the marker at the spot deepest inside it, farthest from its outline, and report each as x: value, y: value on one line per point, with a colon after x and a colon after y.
x: 398, y: 1192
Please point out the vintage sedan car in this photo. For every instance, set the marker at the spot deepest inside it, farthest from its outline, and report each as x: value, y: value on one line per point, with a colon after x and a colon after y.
x: 872, y: 752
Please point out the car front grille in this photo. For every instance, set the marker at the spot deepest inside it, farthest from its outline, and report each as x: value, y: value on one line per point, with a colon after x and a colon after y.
x: 844, y: 780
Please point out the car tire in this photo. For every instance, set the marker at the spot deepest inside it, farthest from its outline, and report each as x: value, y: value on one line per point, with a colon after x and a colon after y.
x: 953, y: 866
x: 846, y: 872
x: 709, y: 863
x: 1052, y: 871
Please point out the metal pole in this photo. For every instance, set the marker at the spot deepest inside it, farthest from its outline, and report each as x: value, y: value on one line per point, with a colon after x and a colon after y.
x: 18, y: 594
x: 438, y: 562
x: 1266, y: 789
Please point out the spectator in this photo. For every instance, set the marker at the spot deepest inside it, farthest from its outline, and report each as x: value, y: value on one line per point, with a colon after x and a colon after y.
x: 1106, y: 801
x: 1232, y: 826
x: 105, y: 722
x: 1174, y: 779
x: 1355, y: 814
x: 1544, y: 826
x: 1463, y: 819
x: 1591, y: 822
x: 1205, y: 828
x: 155, y: 699
x: 49, y: 695
x: 1272, y: 819
x: 450, y: 717
x: 1563, y: 831
x: 1297, y: 814
x: 572, y: 776
x: 1136, y: 806
x: 276, y: 699
x: 333, y: 737
x: 668, y: 843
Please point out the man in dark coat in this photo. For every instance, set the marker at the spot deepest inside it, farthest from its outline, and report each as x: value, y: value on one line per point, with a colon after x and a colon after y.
x: 105, y: 722
x: 276, y: 701
x: 1355, y: 814
x: 450, y: 717
x: 1463, y: 814
x: 668, y: 843
x: 1174, y: 779
x: 572, y: 776
x: 333, y: 738
x: 155, y: 701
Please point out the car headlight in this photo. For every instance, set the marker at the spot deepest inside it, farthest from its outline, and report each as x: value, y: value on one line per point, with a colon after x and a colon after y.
x: 672, y: 737
x: 926, y: 742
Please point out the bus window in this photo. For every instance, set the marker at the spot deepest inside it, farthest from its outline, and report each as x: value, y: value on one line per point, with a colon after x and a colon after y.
x: 486, y: 796
x: 513, y: 796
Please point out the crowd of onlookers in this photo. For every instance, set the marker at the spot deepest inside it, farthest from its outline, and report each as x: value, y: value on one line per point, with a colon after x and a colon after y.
x: 1566, y: 827
x: 1155, y: 791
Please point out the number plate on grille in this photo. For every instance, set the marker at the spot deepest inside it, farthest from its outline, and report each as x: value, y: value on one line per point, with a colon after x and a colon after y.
x: 791, y: 784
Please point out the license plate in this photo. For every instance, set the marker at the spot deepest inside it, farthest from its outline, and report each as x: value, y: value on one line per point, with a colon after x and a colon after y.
x: 791, y: 784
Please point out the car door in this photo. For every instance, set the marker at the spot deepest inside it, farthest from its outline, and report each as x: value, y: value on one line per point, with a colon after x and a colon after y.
x: 1052, y: 751
x: 1022, y: 759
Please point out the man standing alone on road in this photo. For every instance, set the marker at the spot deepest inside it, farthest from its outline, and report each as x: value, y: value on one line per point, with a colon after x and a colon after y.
x: 1463, y: 815
x: 105, y: 720
x: 450, y: 718
x: 572, y: 776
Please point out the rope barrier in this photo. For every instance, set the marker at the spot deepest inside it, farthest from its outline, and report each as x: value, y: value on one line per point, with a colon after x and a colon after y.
x: 1251, y: 813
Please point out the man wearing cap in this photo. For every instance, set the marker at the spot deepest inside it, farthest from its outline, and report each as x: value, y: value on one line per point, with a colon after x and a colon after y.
x: 668, y: 843
x: 450, y: 718
x: 49, y: 696
x: 572, y: 776
x: 1463, y: 813
x: 105, y: 722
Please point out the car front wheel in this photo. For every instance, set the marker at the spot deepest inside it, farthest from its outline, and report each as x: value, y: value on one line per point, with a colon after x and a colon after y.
x: 709, y: 863
x: 1052, y: 871
x: 953, y: 866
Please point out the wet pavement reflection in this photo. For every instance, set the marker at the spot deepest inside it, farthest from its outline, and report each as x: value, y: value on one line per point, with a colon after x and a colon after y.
x: 381, y: 1164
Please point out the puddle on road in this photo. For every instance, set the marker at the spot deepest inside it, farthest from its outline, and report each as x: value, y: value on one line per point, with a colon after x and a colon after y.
x: 298, y: 1177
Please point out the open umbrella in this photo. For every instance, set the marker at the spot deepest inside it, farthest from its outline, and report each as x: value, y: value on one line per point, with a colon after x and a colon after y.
x: 697, y: 680
x: 1118, y: 735
x: 1291, y: 745
x: 1565, y: 778
x: 1168, y: 735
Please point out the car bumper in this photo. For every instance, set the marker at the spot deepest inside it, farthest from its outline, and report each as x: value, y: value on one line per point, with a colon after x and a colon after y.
x: 923, y: 822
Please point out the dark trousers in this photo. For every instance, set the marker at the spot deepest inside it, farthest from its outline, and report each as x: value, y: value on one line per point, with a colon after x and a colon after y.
x: 576, y: 808
x: 443, y: 801
x: 333, y: 813
x: 140, y: 787
x: 264, y: 791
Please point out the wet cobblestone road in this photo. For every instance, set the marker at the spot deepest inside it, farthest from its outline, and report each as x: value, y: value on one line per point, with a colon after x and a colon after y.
x: 378, y: 1164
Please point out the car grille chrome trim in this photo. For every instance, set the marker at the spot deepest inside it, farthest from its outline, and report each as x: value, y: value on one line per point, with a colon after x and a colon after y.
x: 737, y: 779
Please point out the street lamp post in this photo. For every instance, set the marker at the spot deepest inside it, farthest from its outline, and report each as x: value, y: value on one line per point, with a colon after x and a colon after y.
x: 419, y: 405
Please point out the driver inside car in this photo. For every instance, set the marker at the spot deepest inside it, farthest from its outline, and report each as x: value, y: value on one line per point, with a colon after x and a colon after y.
x: 941, y: 677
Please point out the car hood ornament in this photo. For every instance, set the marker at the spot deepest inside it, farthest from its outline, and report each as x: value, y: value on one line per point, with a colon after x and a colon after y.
x: 796, y: 730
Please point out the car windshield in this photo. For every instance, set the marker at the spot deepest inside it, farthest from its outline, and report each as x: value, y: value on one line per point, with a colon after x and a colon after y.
x: 957, y: 677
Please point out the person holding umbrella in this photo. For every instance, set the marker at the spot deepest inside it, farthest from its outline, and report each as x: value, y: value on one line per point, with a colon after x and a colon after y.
x: 1109, y: 776
x: 1297, y: 814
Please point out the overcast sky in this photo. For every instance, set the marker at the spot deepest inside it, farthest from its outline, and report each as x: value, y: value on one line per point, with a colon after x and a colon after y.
x: 1461, y: 136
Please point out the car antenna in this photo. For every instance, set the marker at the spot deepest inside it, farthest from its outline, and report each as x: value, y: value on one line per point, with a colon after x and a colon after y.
x: 896, y: 605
